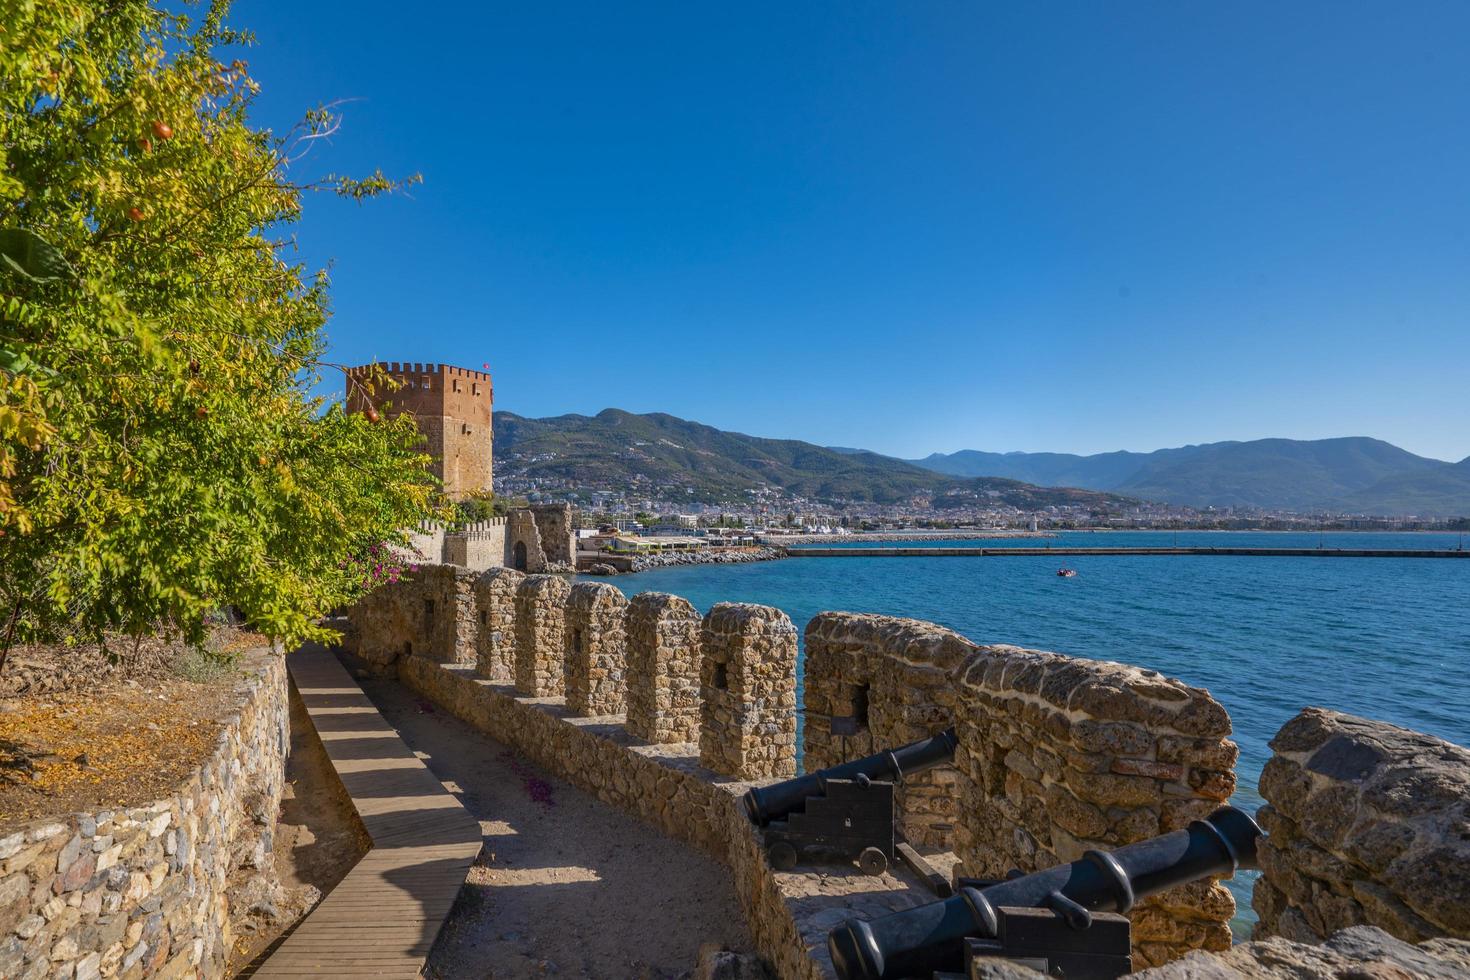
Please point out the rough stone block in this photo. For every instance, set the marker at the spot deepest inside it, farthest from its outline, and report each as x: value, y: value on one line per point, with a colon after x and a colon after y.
x: 540, y: 628
x: 495, y: 640
x: 662, y: 636
x: 596, y: 650
x: 1368, y: 824
x: 748, y: 692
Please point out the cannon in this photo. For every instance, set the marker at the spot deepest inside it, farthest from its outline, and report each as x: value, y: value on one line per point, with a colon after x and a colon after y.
x: 776, y: 802
x: 919, y: 941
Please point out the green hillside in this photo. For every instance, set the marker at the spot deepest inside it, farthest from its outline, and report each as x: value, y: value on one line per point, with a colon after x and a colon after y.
x: 660, y: 453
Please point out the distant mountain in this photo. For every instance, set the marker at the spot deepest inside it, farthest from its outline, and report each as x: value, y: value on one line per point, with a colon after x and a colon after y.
x: 617, y: 449
x: 1352, y: 475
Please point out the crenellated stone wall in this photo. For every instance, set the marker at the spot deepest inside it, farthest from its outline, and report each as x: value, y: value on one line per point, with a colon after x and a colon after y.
x: 1062, y: 755
x: 1368, y: 824
x: 540, y: 629
x: 448, y: 616
x: 747, y: 690
x: 386, y: 623
x: 495, y: 640
x: 663, y: 668
x: 557, y: 533
x: 877, y: 682
x: 523, y: 547
x: 596, y: 653
x: 478, y: 547
x: 1056, y: 756
x: 146, y: 891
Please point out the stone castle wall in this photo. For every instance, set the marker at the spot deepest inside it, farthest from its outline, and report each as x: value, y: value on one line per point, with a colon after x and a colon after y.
x: 495, y: 640
x: 534, y: 539
x: 145, y: 891
x: 558, y: 533
x: 1062, y: 755
x: 540, y: 631
x: 747, y: 692
x: 596, y: 651
x: 448, y: 615
x: 1056, y: 755
x: 1368, y: 824
x: 478, y: 547
x: 662, y: 636
x: 886, y: 682
x: 524, y: 552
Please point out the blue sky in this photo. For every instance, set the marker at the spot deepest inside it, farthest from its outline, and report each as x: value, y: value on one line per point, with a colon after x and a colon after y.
x: 907, y: 226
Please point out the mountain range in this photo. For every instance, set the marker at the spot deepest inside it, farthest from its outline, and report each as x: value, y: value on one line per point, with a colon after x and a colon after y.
x: 1348, y: 475
x: 620, y: 450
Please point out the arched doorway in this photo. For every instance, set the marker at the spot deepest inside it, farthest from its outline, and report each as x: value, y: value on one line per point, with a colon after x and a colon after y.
x: 520, y: 556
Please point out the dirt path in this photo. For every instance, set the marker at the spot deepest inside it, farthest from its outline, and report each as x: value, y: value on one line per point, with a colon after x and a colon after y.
x: 567, y: 885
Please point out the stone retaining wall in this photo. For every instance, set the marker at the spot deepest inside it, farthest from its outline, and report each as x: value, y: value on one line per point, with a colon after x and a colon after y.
x: 1368, y: 824
x: 143, y: 892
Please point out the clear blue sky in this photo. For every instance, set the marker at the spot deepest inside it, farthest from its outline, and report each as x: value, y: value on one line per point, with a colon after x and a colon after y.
x: 908, y: 226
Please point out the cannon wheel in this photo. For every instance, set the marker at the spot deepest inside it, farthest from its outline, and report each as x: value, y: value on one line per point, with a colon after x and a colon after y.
x: 873, y: 861
x: 782, y: 855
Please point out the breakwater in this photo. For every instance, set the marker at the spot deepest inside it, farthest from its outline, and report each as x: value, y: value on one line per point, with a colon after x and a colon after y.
x: 944, y: 535
x: 924, y: 552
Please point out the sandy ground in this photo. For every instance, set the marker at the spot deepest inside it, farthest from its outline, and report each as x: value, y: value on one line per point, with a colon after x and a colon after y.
x: 566, y: 886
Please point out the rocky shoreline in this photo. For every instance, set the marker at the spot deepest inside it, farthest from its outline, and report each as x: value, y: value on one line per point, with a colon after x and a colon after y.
x: 962, y: 535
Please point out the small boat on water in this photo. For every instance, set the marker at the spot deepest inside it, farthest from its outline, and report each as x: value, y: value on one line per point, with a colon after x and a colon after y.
x: 1065, y: 572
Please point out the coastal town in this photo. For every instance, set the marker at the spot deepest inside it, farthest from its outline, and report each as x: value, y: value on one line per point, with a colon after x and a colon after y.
x: 770, y: 513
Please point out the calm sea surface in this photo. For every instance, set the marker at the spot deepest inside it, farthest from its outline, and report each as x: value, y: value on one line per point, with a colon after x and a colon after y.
x: 1383, y: 638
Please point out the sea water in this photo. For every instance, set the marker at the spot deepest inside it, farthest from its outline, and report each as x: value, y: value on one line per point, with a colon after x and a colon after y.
x: 1384, y: 638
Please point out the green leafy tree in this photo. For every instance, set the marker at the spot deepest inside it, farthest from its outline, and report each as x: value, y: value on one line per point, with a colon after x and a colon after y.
x: 161, y: 454
x: 483, y: 505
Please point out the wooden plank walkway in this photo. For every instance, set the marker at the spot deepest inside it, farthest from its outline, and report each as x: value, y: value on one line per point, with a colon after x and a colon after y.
x: 381, y: 920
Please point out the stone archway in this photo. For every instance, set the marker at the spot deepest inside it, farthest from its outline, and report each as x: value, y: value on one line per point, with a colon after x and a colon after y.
x: 519, y: 559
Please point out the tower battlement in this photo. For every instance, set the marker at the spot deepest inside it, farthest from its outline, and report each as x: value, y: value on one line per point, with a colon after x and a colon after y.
x: 452, y: 407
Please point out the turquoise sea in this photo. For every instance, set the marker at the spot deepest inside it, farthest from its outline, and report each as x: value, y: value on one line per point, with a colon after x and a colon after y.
x: 1385, y: 638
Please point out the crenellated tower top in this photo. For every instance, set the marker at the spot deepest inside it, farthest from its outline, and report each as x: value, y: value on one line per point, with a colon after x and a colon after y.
x: 452, y: 406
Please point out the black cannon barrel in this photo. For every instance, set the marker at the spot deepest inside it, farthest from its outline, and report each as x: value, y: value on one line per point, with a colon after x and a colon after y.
x: 768, y: 803
x: 919, y: 941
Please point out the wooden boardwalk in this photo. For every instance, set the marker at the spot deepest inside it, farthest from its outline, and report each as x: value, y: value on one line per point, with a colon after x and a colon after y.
x: 381, y: 920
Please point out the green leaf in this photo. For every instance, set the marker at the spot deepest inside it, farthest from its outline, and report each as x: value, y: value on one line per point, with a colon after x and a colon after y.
x: 30, y: 255
x: 16, y: 362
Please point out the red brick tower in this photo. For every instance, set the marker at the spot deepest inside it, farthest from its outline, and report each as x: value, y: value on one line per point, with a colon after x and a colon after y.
x: 452, y: 407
